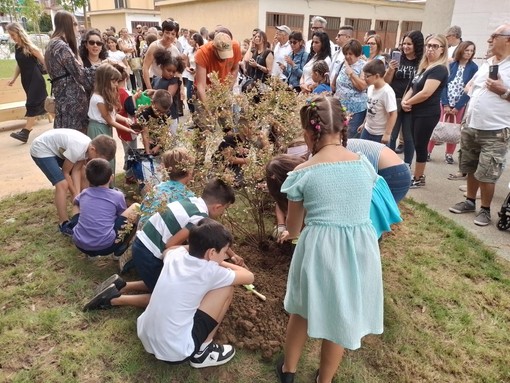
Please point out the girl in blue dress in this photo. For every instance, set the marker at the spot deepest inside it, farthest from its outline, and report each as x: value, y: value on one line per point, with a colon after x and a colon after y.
x: 334, y: 288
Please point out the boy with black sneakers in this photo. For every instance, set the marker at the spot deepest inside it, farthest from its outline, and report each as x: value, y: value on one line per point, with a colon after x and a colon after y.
x: 104, y: 225
x: 166, y: 228
x: 61, y: 154
x: 199, y: 284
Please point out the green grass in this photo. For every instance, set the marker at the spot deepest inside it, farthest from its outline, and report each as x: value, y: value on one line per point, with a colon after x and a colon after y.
x: 7, y: 70
x: 447, y: 311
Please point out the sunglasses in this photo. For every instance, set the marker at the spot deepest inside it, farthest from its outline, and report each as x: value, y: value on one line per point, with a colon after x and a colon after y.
x: 434, y: 47
x: 92, y: 43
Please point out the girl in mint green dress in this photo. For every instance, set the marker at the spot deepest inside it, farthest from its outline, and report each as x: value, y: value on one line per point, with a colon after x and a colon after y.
x: 334, y: 288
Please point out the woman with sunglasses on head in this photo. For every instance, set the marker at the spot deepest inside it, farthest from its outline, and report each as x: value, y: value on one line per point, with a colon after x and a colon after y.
x: 295, y: 61
x: 423, y: 100
x: 258, y: 58
x: 71, y: 82
x: 92, y: 49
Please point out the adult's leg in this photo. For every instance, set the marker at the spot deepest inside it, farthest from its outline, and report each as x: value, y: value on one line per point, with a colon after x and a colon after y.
x: 355, y: 122
x: 395, y: 132
x: 294, y: 342
x: 331, y: 356
x: 189, y: 95
x: 407, y: 135
x: 422, y: 130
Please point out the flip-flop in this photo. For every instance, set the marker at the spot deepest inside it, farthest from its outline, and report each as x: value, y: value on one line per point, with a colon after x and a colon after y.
x: 457, y: 176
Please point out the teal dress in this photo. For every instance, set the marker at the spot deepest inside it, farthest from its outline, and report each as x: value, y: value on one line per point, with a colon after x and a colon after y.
x: 335, y: 278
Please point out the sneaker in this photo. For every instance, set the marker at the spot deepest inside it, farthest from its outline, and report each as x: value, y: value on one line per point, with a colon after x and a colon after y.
x: 416, y: 183
x: 115, y: 279
x: 214, y: 355
x: 483, y: 218
x: 22, y: 135
x: 284, y: 377
x: 448, y: 158
x: 65, y: 229
x: 463, y: 207
x: 103, y: 299
x: 428, y: 157
x: 399, y: 149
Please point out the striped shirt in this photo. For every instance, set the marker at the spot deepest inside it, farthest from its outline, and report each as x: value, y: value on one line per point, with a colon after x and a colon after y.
x: 163, y: 225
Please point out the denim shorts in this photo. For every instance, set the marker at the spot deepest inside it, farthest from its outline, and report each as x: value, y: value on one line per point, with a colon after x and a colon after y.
x: 117, y: 244
x: 398, y: 178
x: 147, y: 265
x: 51, y: 167
x: 483, y: 152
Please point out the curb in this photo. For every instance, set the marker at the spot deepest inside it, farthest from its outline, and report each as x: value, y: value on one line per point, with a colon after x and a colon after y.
x: 11, y: 125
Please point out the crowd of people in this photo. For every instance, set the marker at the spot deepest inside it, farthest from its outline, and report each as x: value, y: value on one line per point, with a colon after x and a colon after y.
x: 360, y: 101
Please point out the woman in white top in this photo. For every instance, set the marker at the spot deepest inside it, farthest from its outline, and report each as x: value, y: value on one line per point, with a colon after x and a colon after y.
x: 321, y: 50
x: 128, y: 46
x: 115, y: 56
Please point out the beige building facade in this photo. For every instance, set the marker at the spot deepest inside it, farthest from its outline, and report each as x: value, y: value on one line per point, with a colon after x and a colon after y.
x: 123, y: 13
x: 389, y: 18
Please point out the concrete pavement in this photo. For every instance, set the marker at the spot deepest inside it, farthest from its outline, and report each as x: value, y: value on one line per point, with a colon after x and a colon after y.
x: 20, y: 174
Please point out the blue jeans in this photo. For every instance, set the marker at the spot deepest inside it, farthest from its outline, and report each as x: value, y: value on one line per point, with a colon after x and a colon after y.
x: 398, y: 178
x: 355, y: 122
x: 365, y: 135
x: 404, y: 121
x: 189, y: 95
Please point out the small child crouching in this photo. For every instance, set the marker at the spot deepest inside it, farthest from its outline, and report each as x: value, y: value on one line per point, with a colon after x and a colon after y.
x: 105, y: 225
x: 200, y: 285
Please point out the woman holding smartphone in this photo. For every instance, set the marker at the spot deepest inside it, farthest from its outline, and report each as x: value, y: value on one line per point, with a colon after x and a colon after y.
x: 399, y: 75
x: 423, y: 100
x: 259, y: 58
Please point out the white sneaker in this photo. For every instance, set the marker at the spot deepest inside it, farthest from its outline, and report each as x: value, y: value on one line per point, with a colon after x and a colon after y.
x: 214, y: 355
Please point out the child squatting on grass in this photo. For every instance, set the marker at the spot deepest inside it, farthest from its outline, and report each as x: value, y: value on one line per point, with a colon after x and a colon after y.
x: 105, y: 224
x: 161, y: 102
x: 61, y: 154
x: 166, y: 228
x: 199, y: 284
x: 178, y: 164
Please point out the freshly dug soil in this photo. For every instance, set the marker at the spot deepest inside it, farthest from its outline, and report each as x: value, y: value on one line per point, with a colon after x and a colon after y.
x: 254, y: 324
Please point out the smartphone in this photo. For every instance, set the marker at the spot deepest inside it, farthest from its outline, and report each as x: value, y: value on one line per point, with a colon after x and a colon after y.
x: 493, y: 72
x: 365, y: 50
x: 396, y: 55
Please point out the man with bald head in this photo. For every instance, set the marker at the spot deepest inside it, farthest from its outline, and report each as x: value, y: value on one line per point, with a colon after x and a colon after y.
x: 486, y: 130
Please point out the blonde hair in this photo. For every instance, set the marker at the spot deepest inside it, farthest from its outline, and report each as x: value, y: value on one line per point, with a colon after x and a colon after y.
x: 105, y: 74
x: 178, y: 163
x: 442, y: 60
x: 27, y: 46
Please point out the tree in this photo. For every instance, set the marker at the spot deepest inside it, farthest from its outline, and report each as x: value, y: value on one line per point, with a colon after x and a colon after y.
x: 45, y: 23
x: 9, y: 7
x: 33, y: 11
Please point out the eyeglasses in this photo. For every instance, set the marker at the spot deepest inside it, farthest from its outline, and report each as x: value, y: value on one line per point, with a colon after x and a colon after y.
x: 372, y: 43
x: 434, y: 47
x: 98, y: 43
x: 293, y: 42
x: 315, y: 28
x: 368, y: 75
x: 494, y: 35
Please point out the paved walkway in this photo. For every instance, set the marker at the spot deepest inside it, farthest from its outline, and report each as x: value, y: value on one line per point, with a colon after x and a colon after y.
x: 20, y: 174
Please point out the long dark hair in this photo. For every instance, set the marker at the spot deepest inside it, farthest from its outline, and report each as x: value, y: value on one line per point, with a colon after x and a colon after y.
x: 418, y: 43
x: 84, y: 53
x: 325, y: 47
x: 64, y: 29
x: 199, y: 40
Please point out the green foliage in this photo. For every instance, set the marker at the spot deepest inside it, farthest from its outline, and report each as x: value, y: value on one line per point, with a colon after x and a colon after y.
x: 45, y: 23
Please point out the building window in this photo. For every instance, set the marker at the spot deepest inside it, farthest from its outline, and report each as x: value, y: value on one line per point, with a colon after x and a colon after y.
x: 120, y: 4
x: 360, y: 26
x: 387, y: 29
x: 332, y: 26
x: 293, y: 21
x: 408, y: 26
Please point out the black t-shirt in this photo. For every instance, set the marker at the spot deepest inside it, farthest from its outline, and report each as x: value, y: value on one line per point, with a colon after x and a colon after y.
x: 431, y: 105
x: 403, y: 75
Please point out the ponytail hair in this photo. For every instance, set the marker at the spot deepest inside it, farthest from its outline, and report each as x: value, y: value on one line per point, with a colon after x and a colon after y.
x: 322, y: 68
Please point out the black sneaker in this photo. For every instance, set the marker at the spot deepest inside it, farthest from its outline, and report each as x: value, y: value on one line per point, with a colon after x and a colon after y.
x: 417, y: 182
x: 214, y: 355
x: 284, y: 377
x: 65, y: 229
x: 115, y: 279
x: 22, y: 135
x: 103, y: 299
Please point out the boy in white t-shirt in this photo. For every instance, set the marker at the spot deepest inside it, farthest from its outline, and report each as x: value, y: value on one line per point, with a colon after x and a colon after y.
x: 191, y: 297
x: 61, y: 154
x: 381, y: 104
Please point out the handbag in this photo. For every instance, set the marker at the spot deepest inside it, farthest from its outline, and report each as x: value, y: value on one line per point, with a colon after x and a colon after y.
x: 448, y: 132
x: 135, y: 63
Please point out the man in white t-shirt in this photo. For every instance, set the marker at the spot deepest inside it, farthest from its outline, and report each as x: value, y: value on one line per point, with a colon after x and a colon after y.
x: 381, y: 104
x: 280, y: 51
x: 199, y: 285
x: 485, y: 133
x: 318, y: 24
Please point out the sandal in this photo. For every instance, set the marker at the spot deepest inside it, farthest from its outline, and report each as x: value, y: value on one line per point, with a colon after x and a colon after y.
x: 457, y: 176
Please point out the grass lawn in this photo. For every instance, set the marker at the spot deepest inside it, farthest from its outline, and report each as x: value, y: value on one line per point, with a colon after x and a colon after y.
x: 447, y: 311
x: 7, y: 70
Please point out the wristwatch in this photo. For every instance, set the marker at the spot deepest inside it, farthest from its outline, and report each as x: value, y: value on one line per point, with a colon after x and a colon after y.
x: 505, y: 95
